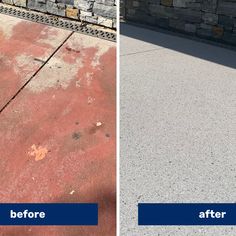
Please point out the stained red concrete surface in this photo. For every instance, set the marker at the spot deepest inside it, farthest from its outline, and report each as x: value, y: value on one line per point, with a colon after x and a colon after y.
x: 57, y: 137
x: 24, y: 46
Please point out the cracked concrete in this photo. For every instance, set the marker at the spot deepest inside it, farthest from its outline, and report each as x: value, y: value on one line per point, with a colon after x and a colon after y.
x: 51, y: 149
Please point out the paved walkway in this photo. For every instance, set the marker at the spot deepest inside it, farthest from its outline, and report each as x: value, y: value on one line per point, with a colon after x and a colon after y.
x: 178, y: 126
x: 57, y: 122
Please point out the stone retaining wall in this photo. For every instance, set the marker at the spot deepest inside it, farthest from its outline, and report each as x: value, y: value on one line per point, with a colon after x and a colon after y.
x: 212, y: 19
x: 101, y: 12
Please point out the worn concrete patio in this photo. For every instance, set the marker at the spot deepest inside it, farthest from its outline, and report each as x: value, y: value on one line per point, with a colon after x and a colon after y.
x: 57, y: 122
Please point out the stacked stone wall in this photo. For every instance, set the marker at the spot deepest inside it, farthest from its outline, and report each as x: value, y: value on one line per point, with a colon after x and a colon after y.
x: 212, y: 19
x: 100, y: 12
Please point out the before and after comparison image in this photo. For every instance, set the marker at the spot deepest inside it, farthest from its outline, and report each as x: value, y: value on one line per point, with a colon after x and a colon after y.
x: 117, y: 118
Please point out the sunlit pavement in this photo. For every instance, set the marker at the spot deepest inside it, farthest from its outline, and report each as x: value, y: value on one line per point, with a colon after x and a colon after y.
x: 57, y: 122
x: 178, y: 126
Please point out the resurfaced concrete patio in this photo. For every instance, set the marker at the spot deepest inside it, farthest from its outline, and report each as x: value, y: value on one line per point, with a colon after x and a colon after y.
x: 178, y: 126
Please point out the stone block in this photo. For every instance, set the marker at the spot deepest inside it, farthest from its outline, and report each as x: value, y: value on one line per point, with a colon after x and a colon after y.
x: 136, y: 4
x: 167, y: 3
x: 197, y: 6
x: 204, y: 33
x: 161, y: 11
x: 191, y: 28
x: 226, y: 21
x: 230, y: 38
x: 131, y: 12
x: 20, y: 3
x: 180, y: 3
x: 227, y: 8
x: 105, y: 22
x: 10, y: 2
x: 66, y: 2
x: 188, y: 15
x: 209, y: 6
x: 163, y: 22
x: 217, y: 32
x: 86, y: 13
x: 210, y: 18
x: 107, y: 2
x: 177, y: 24
x: 205, y: 30
x: 84, y: 5
x: 206, y: 26
x: 37, y: 5
x: 114, y: 24
x: 72, y: 12
x: 56, y: 9
x: 89, y: 19
x: 105, y: 11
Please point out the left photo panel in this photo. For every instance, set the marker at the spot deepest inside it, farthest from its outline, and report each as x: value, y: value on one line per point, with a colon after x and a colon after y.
x: 58, y: 117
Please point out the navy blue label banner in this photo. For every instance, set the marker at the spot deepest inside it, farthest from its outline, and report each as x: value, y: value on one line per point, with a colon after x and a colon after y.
x: 49, y: 214
x: 186, y: 214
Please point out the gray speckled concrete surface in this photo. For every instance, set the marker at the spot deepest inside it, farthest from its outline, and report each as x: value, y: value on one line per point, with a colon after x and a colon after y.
x: 178, y: 126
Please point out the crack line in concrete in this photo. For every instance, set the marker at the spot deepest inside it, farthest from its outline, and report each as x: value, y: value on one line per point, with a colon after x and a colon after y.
x: 36, y: 72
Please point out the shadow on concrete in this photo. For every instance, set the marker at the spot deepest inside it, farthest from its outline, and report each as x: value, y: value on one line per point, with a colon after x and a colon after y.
x: 106, y: 225
x: 210, y: 51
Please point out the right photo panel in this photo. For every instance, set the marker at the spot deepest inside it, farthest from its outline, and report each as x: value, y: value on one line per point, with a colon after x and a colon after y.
x: 178, y: 117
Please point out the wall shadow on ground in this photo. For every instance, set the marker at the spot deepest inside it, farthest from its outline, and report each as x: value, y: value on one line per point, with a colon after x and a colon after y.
x: 221, y: 54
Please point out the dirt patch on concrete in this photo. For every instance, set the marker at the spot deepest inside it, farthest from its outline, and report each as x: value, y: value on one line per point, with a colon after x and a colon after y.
x: 56, y: 74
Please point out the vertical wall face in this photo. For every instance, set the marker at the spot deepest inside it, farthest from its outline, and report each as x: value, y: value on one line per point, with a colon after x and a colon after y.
x: 101, y: 12
x: 215, y: 19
